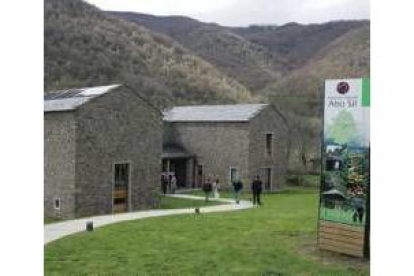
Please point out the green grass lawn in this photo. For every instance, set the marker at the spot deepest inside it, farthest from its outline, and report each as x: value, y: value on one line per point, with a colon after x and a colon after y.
x: 246, y: 195
x: 279, y: 237
x: 178, y: 203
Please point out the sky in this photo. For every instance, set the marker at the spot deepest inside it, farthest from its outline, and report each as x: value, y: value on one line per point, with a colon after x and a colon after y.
x: 246, y: 12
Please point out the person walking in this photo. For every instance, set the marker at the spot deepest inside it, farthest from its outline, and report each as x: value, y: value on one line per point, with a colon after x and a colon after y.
x: 238, y: 186
x: 207, y: 188
x: 164, y: 184
x: 173, y: 184
x: 216, y: 188
x: 257, y: 190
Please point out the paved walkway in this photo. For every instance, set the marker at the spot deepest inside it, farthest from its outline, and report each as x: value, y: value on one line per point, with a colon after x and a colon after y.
x: 58, y: 230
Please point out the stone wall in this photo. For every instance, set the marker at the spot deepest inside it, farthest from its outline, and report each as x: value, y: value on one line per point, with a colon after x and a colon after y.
x: 169, y: 134
x: 268, y: 121
x: 59, y: 164
x: 118, y: 127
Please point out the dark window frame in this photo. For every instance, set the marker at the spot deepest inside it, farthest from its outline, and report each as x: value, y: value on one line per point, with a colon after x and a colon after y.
x: 121, y: 175
x: 57, y: 203
x: 268, y: 144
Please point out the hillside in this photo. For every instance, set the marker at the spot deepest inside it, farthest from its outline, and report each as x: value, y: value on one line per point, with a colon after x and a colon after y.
x: 256, y: 56
x: 85, y: 47
x: 249, y: 63
x: 297, y: 43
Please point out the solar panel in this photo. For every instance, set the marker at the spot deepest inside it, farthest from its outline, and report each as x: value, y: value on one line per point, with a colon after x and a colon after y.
x: 62, y: 94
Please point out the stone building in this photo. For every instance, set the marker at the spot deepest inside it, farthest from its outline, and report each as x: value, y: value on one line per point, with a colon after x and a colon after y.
x: 225, y: 141
x: 102, y: 149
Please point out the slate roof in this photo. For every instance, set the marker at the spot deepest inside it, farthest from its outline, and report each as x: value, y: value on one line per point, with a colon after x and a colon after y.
x: 174, y: 151
x: 213, y: 113
x: 70, y: 99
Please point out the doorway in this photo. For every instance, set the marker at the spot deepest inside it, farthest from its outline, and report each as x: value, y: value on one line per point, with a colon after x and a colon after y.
x: 178, y: 168
x: 120, y: 192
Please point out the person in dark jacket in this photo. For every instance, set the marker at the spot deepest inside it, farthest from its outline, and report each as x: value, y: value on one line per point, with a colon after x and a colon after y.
x: 169, y: 180
x: 164, y: 184
x: 256, y: 190
x: 238, y: 186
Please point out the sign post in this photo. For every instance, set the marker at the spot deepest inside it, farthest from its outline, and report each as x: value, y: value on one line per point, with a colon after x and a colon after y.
x: 345, y: 173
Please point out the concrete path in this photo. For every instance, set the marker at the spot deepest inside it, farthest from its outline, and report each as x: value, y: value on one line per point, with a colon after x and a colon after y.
x: 58, y: 230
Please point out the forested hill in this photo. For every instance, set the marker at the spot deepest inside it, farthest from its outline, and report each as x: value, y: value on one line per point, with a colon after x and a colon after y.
x: 256, y: 56
x: 85, y: 46
x: 298, y: 43
x: 249, y: 63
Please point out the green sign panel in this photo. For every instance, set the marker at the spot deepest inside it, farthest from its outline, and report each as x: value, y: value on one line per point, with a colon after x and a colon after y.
x: 345, y: 152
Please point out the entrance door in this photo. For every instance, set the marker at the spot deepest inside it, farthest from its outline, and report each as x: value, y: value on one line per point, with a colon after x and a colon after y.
x: 120, y: 192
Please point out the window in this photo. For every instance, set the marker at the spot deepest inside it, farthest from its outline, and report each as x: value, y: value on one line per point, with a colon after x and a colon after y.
x: 234, y: 174
x: 269, y: 142
x: 121, y: 175
x: 56, y: 203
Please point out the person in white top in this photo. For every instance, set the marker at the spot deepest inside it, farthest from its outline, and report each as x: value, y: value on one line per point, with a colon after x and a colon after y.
x: 216, y: 188
x: 173, y: 184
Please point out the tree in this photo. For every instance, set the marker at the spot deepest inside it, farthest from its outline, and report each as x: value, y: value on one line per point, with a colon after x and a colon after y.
x: 343, y: 129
